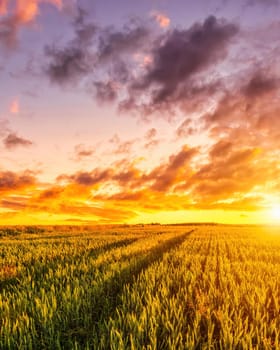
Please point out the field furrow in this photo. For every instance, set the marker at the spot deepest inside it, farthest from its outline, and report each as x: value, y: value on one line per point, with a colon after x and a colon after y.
x: 142, y: 287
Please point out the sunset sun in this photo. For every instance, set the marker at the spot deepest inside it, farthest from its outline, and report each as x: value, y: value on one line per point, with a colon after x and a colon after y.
x: 275, y: 212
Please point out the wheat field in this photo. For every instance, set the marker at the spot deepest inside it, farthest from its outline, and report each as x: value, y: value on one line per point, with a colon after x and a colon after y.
x: 140, y: 287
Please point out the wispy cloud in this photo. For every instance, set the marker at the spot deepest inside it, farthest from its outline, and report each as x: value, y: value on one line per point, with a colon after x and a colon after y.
x: 81, y: 151
x: 262, y: 2
x: 12, y: 141
x: 14, y: 106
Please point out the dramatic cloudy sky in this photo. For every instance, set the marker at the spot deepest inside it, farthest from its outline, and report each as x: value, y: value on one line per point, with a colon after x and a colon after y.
x: 139, y: 111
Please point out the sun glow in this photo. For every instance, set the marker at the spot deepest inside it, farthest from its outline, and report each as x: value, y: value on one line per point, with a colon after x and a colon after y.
x: 275, y: 212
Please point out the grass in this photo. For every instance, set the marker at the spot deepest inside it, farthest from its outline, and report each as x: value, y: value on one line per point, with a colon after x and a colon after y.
x: 140, y: 287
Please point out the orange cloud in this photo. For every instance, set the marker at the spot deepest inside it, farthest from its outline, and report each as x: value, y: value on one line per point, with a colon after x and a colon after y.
x: 221, y: 149
x: 178, y: 166
x: 11, y: 181
x: 230, y: 178
x: 23, y: 13
x: 27, y: 10
x: 3, y: 7
x: 162, y: 19
x: 14, y: 107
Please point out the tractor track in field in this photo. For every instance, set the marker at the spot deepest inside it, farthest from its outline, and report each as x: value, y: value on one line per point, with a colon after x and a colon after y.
x: 112, y: 288
x: 104, y: 295
x: 41, y: 266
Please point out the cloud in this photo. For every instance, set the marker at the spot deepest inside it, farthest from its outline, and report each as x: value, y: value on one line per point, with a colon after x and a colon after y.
x: 235, y: 117
x: 23, y: 13
x: 112, y: 42
x: 127, y: 196
x: 67, y: 65
x: 185, y: 129
x: 81, y: 152
x: 162, y: 19
x: 105, y: 61
x: 150, y: 139
x: 221, y: 149
x: 262, y: 2
x: 106, y: 214
x: 51, y: 193
x: 90, y: 51
x: 11, y: 181
x: 99, y: 57
x: 12, y: 141
x: 105, y: 91
x: 231, y: 178
x: 14, y: 107
x: 124, y: 147
x: 108, y: 89
x: 3, y: 7
x: 121, y: 147
x: 247, y: 112
x: 177, y: 58
x: 87, y: 178
x: 27, y: 10
x: 168, y: 175
x: 183, y: 53
x: 260, y: 83
x: 74, y: 61
x: 115, y: 58
x: 125, y: 174
x: 227, y: 166
x: 9, y: 31
x: 151, y: 144
x: 151, y: 133
x: 13, y: 204
x: 234, y: 170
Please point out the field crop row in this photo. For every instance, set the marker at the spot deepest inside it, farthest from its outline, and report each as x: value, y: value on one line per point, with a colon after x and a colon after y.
x: 151, y: 287
x: 212, y: 292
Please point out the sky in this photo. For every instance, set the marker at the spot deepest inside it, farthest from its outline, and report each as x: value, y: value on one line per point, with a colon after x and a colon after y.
x: 147, y: 111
